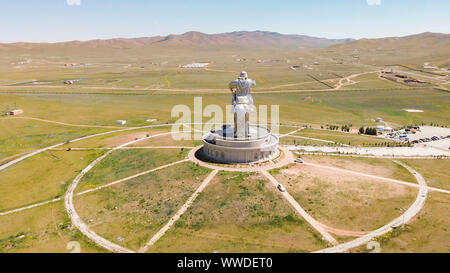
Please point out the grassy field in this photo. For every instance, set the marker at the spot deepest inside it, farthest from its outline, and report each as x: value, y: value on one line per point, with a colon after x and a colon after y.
x: 300, y: 141
x: 44, y: 229
x: 20, y: 135
x: 314, y: 108
x: 235, y: 213
x: 41, y: 177
x: 426, y: 233
x: 341, y: 137
x: 124, y: 163
x: 155, y: 83
x: 372, y: 81
x: 346, y: 202
x: 162, y: 71
x: 239, y: 213
x: 137, y: 209
x: 117, y: 138
x: 435, y: 172
x: 169, y: 140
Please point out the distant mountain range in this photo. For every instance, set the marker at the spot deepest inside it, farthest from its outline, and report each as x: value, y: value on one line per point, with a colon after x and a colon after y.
x: 196, y: 40
x: 422, y: 40
x: 434, y: 47
x: 413, y: 49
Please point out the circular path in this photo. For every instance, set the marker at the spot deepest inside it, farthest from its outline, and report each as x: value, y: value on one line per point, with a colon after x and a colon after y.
x: 287, y: 158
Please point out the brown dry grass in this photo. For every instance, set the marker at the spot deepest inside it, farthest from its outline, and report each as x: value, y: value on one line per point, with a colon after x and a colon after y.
x: 374, y: 166
x: 345, y: 201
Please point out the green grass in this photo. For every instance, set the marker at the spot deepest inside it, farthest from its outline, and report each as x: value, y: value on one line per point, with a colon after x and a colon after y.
x: 314, y: 108
x: 435, y: 172
x: 137, y: 209
x: 20, y: 135
x: 373, y: 81
x: 169, y: 140
x: 124, y: 163
x: 426, y: 233
x: 114, y: 139
x: 299, y: 141
x: 239, y: 213
x: 44, y: 229
x: 344, y: 138
x: 41, y: 177
x: 92, y: 103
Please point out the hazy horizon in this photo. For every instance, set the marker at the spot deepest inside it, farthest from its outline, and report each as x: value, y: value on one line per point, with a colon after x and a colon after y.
x: 69, y: 20
x: 110, y: 38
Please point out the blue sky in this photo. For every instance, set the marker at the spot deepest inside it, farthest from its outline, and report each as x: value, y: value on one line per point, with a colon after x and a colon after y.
x: 64, y: 20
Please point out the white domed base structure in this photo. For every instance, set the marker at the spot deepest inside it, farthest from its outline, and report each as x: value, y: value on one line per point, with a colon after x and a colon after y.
x: 220, y: 145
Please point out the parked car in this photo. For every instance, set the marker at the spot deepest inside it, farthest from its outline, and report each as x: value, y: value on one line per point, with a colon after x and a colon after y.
x: 281, y: 188
x: 299, y: 160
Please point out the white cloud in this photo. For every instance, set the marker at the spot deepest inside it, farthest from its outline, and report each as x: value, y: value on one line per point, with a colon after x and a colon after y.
x: 374, y: 2
x: 73, y: 2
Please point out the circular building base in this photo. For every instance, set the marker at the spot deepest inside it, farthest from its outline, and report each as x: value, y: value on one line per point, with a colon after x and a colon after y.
x: 220, y: 145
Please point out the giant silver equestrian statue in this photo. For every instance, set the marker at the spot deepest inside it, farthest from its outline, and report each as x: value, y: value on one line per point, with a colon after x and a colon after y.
x: 242, y: 104
x: 243, y: 142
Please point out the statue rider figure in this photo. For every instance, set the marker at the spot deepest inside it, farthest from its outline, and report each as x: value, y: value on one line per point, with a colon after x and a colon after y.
x: 242, y: 104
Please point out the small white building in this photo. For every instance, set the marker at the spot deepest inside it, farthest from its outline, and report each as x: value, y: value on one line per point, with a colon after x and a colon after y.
x: 121, y: 122
x: 16, y: 112
x: 195, y: 65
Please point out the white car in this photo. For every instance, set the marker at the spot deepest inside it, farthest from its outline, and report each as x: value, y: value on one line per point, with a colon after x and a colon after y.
x: 281, y: 188
x: 299, y: 160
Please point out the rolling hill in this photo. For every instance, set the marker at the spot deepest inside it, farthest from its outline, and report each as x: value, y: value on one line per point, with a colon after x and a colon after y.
x: 191, y: 40
x: 412, y: 49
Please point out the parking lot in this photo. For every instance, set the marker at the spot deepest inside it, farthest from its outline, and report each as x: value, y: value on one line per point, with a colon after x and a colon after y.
x: 424, y: 136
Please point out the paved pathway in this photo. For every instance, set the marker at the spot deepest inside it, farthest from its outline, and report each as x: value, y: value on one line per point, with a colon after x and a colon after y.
x: 288, y: 159
x: 180, y: 212
x: 371, y: 156
x: 376, y: 151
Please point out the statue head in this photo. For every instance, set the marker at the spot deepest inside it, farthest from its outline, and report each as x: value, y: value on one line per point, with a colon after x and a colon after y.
x: 243, y: 75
